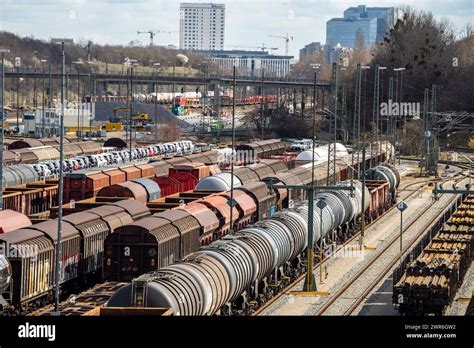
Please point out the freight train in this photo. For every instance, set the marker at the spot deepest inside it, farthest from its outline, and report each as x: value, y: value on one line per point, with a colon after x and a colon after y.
x: 44, y: 160
x: 147, y: 244
x: 242, y: 271
x: 427, y: 281
x: 25, y: 194
x: 30, y: 251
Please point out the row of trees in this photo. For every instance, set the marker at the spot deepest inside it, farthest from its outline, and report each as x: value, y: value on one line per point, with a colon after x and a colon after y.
x: 32, y: 50
x: 430, y: 51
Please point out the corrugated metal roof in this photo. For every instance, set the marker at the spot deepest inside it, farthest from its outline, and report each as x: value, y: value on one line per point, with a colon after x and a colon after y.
x: 161, y: 168
x: 11, y: 220
x: 177, y: 160
x: 79, y: 218
x: 288, y: 178
x: 245, y: 174
x: 118, y: 220
x: 181, y: 219
x: 152, y: 188
x: 246, y: 203
x: 206, y: 217
x: 45, y: 153
x: 220, y: 203
x: 71, y: 150
x: 51, y: 229
x: 26, y: 173
x: 106, y: 210
x: 134, y: 208
x: 10, y: 177
x: 20, y: 235
x: 25, y: 143
x: 139, y: 192
x: 8, y: 156
x: 275, y: 164
x: 27, y: 156
x: 262, y: 170
x: 90, y: 147
x: 258, y: 189
x: 89, y: 224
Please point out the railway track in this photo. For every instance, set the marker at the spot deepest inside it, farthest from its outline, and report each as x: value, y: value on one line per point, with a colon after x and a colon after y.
x: 405, y: 193
x: 84, y: 303
x: 348, y: 298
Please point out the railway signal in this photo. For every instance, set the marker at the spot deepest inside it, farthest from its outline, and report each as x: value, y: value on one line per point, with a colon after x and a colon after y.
x: 321, y: 205
x: 401, y: 207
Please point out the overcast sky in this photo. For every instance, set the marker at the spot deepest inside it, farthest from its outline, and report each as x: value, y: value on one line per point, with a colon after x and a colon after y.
x: 248, y: 22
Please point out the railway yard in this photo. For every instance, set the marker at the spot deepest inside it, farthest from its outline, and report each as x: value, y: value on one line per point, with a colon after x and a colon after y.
x: 236, y: 173
x: 158, y: 232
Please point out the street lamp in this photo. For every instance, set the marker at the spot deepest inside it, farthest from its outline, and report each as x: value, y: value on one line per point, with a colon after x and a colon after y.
x: 376, y: 106
x: 356, y: 121
x: 398, y: 98
x: 63, y: 42
x: 2, y: 118
x: 232, y: 202
x: 130, y: 63
x: 316, y: 68
x: 156, y: 65
x: 43, y: 100
x: 78, y: 64
x: 35, y: 101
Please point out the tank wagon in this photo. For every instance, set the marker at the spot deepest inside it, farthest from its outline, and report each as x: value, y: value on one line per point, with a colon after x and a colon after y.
x: 241, y: 271
x: 254, y: 202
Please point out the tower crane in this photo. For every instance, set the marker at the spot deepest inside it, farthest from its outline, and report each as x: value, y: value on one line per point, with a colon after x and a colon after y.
x: 151, y: 32
x: 287, y: 39
x: 263, y: 47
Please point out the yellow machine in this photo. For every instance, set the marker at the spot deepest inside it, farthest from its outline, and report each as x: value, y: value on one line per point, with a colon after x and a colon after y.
x: 135, y: 115
x: 470, y: 143
x: 113, y: 126
x: 140, y: 120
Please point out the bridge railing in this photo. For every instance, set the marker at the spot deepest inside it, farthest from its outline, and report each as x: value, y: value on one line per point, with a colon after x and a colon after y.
x: 151, y: 75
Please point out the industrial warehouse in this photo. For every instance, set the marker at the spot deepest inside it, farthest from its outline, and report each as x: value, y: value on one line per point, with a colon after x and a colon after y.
x: 157, y: 178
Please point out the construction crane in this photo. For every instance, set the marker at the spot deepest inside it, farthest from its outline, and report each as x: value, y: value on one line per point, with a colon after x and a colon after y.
x: 263, y: 47
x: 152, y: 34
x: 287, y: 39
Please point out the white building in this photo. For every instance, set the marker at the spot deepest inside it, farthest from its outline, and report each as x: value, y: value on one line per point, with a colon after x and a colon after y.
x: 202, y: 26
x: 251, y: 63
x: 73, y: 117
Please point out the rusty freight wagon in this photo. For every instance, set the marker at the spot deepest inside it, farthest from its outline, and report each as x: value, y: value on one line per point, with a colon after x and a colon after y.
x: 149, y: 244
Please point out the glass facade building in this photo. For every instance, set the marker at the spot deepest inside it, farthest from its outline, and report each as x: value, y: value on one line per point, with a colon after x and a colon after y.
x: 373, y: 22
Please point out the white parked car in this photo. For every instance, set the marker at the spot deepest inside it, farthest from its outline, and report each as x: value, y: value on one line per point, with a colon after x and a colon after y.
x: 302, y: 145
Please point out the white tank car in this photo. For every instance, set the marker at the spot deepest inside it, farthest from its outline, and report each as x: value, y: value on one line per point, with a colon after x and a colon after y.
x: 5, y: 273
